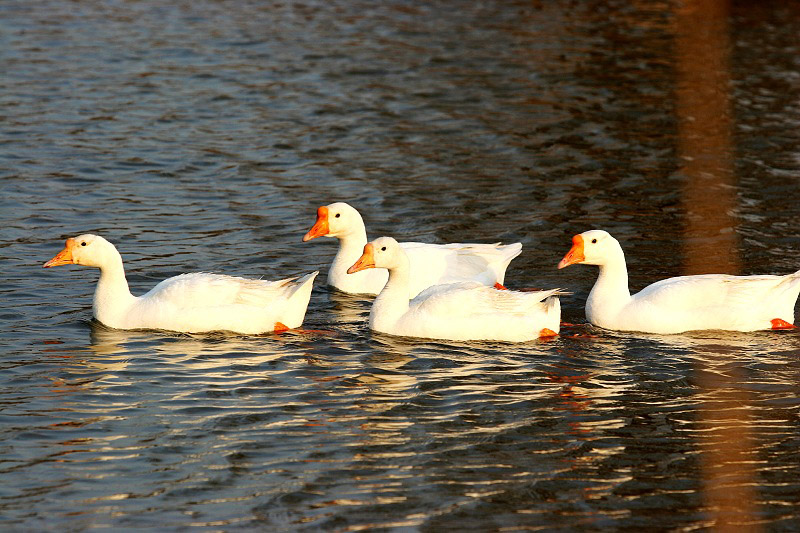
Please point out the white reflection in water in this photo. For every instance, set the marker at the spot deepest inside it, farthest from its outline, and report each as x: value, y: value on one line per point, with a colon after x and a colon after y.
x: 348, y: 311
x: 192, y: 352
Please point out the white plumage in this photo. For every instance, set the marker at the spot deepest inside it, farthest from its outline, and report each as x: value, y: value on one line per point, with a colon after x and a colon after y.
x: 686, y: 303
x: 192, y: 303
x: 430, y: 264
x: 454, y: 311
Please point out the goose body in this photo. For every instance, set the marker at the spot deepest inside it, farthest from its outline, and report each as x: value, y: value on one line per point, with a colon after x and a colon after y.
x: 454, y: 311
x: 685, y: 303
x: 191, y: 303
x: 430, y: 264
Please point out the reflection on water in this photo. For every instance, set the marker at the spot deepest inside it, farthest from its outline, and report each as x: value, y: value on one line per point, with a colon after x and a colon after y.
x: 706, y: 149
x: 199, y: 136
x: 349, y: 312
x: 705, y: 144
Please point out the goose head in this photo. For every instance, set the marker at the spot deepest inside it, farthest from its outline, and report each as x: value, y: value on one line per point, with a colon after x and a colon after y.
x: 383, y: 252
x: 88, y: 250
x: 335, y: 220
x: 594, y: 247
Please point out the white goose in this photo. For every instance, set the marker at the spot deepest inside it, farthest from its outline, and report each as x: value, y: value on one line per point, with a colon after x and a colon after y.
x: 455, y: 311
x: 190, y: 303
x: 431, y: 264
x: 686, y: 303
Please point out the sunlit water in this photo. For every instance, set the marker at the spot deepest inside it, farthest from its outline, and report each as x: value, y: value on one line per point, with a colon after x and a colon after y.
x: 203, y: 136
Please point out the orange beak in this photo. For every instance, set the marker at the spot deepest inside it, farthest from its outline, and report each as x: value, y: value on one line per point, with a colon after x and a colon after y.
x: 367, y: 260
x: 64, y: 257
x: 320, y: 227
x: 575, y: 254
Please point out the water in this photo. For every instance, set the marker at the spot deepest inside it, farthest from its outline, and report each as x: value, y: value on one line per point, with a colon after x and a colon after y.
x: 203, y: 136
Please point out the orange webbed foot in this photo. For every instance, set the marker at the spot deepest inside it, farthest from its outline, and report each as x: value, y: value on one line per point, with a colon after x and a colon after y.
x: 547, y: 333
x: 779, y: 323
x: 280, y: 327
x: 500, y: 287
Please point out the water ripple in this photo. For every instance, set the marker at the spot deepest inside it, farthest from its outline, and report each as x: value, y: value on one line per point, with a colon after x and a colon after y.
x: 204, y: 135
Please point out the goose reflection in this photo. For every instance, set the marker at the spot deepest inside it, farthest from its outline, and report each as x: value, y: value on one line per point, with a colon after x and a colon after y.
x: 387, y: 383
x: 115, y: 348
x: 349, y: 311
x: 105, y: 341
x: 88, y: 367
x: 700, y: 343
x: 591, y: 374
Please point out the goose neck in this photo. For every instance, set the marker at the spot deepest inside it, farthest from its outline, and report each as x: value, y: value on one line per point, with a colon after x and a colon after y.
x: 112, y: 297
x: 610, y: 292
x: 392, y: 302
x: 351, y: 246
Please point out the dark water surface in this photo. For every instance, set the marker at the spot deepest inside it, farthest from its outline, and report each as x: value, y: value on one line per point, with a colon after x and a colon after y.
x: 200, y: 135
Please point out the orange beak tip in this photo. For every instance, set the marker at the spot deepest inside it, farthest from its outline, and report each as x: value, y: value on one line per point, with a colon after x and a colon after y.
x: 316, y: 231
x: 570, y: 259
x: 367, y: 260
x: 320, y: 227
x: 64, y: 257
x: 575, y: 254
x: 359, y: 266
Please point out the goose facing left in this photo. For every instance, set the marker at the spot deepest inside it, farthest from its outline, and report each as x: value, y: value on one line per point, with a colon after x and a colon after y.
x: 431, y: 264
x: 685, y: 303
x: 461, y: 311
x: 191, y: 303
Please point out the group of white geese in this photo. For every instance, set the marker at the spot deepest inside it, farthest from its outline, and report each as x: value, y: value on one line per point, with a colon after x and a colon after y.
x: 434, y: 291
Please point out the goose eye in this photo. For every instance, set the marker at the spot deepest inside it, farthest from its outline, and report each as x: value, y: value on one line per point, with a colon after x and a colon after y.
x: 338, y: 215
x: 83, y: 243
x: 594, y: 241
x: 383, y: 249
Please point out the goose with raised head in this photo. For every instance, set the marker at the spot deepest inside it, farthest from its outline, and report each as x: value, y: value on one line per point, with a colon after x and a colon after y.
x: 454, y: 311
x: 190, y: 303
x: 685, y: 303
x: 431, y: 264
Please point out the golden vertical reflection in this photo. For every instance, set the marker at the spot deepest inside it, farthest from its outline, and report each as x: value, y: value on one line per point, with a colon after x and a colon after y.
x: 705, y: 150
x: 704, y: 136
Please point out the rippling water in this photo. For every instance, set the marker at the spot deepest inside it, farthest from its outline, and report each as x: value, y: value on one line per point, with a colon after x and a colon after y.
x: 203, y: 136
